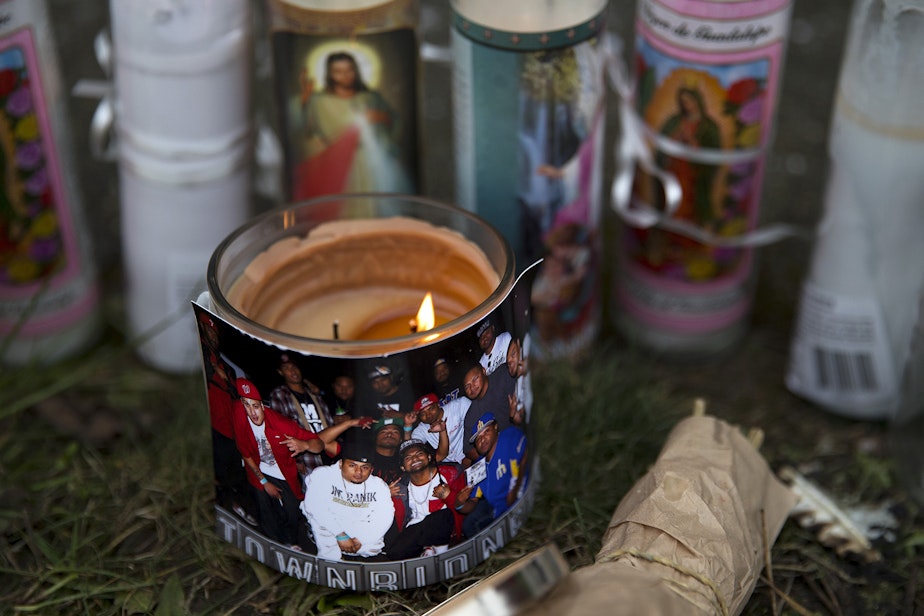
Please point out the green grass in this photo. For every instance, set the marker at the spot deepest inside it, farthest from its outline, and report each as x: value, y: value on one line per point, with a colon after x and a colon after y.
x: 126, y: 527
x: 121, y: 521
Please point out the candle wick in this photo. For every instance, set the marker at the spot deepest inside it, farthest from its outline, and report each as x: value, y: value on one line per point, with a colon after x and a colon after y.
x: 413, y: 325
x: 336, y: 326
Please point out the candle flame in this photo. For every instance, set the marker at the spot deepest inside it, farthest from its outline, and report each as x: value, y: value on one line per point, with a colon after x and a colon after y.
x: 426, y: 317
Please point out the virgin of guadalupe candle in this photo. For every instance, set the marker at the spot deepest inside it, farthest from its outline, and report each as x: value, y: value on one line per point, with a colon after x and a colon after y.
x: 404, y: 485
x: 529, y: 120
x: 49, y: 291
x: 346, y: 94
x: 707, y: 74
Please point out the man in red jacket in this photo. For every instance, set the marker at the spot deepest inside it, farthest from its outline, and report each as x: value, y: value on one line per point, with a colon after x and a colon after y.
x: 267, y: 442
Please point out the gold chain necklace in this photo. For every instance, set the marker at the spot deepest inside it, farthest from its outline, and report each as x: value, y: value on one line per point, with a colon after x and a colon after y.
x: 347, y: 493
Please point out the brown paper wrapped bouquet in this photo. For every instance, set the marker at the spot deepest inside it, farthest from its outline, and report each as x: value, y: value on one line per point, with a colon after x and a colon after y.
x: 691, y: 535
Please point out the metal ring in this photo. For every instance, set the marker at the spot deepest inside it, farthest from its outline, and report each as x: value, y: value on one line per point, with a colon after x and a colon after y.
x: 512, y: 589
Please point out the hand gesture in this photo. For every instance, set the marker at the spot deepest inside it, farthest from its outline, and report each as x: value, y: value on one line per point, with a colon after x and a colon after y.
x: 307, y: 86
x: 438, y: 426
x: 295, y: 446
x: 516, y: 412
x: 463, y: 495
x: 441, y: 491
x: 375, y: 116
x: 350, y: 545
x: 364, y: 422
x: 395, y: 487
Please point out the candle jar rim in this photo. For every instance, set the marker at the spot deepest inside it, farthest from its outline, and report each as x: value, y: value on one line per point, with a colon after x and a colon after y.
x: 284, y: 221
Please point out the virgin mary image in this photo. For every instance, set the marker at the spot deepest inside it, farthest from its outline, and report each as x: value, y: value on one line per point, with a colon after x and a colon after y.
x: 692, y: 126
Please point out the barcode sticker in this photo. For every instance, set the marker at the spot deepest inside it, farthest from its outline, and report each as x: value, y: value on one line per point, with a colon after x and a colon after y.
x: 840, y: 356
x: 844, y: 371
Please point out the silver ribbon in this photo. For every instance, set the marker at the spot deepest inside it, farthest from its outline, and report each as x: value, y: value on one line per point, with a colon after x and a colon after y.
x: 103, y: 140
x: 102, y: 125
x: 632, y: 151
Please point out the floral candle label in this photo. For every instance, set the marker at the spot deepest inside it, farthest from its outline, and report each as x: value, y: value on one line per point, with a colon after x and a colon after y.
x: 395, y: 499
x: 529, y: 126
x: 38, y: 243
x: 707, y: 75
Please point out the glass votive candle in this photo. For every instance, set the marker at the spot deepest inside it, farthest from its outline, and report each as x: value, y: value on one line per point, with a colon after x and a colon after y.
x: 359, y: 442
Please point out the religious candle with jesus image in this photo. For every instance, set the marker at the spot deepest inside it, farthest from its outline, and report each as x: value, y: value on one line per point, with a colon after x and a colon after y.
x: 346, y: 92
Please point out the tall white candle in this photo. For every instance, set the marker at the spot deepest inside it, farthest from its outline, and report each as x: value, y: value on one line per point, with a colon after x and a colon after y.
x: 858, y: 309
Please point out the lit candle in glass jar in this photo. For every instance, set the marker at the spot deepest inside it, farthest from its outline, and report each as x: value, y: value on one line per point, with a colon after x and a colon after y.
x: 363, y: 292
x: 351, y: 276
x: 366, y: 276
x: 424, y: 320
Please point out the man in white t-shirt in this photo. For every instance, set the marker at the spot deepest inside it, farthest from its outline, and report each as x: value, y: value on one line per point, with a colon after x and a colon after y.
x: 493, y: 346
x: 348, y: 508
x: 442, y: 426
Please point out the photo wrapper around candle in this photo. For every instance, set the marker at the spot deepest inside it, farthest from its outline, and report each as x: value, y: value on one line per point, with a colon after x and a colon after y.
x: 368, y: 402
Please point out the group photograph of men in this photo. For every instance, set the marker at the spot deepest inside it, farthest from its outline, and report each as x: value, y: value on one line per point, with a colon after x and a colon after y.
x: 370, y: 460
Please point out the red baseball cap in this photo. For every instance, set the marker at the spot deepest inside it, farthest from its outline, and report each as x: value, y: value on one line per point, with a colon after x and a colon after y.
x: 426, y: 401
x: 246, y: 389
